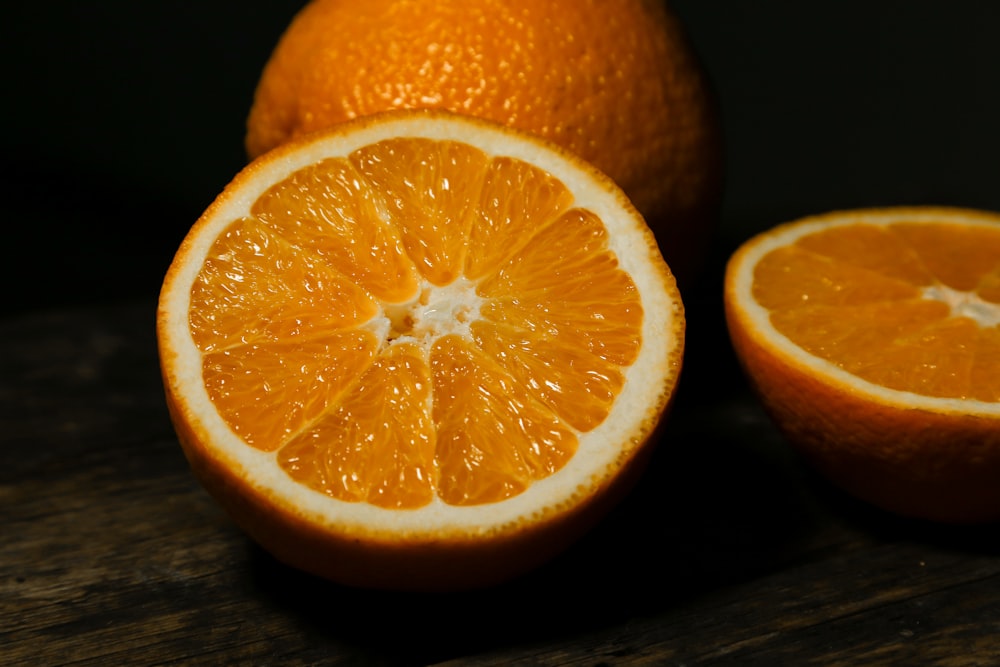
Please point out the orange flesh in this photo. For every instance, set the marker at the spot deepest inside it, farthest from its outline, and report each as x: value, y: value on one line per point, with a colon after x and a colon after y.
x: 285, y: 307
x: 913, y: 307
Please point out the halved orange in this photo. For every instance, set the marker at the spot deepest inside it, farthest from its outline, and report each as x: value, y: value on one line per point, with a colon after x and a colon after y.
x: 418, y: 351
x: 873, y: 339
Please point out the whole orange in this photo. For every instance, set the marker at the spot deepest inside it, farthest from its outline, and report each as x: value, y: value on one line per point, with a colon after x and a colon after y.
x: 614, y: 81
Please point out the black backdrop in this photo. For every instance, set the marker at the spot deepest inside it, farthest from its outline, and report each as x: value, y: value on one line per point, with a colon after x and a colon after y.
x: 121, y: 120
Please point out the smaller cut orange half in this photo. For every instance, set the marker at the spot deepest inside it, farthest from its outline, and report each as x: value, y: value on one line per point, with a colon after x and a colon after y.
x: 873, y: 339
x: 418, y: 351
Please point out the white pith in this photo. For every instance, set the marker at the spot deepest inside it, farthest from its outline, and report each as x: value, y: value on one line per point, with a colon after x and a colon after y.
x: 965, y: 304
x: 962, y: 304
x: 437, y: 311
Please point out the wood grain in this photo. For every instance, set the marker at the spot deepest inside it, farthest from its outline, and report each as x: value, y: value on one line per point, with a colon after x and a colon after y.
x: 728, y: 553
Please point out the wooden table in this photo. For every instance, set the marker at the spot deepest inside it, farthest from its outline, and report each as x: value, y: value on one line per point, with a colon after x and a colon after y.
x: 728, y: 553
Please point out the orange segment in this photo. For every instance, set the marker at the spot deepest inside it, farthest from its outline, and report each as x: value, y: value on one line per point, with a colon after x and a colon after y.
x: 989, y: 287
x: 937, y: 360
x: 792, y: 277
x: 960, y: 259
x: 567, y: 285
x: 378, y: 444
x: 873, y: 338
x: 493, y: 441
x: 577, y: 385
x: 415, y: 336
x: 870, y: 247
x: 268, y: 392
x: 833, y: 333
x: 985, y: 372
x: 330, y: 210
x: 429, y: 190
x: 255, y: 287
x: 506, y: 224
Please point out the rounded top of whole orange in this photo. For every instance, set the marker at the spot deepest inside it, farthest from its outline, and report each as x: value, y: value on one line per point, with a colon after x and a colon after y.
x: 614, y: 81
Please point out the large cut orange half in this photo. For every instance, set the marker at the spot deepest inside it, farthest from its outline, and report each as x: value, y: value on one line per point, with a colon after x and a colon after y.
x: 418, y: 350
x: 873, y: 338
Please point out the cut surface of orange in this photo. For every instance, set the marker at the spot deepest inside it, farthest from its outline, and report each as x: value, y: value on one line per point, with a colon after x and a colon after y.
x: 418, y: 350
x: 873, y: 338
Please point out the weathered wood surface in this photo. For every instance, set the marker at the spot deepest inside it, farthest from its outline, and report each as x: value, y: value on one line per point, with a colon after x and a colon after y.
x: 728, y: 553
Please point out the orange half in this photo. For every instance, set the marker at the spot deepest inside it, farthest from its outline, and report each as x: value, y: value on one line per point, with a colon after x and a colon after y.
x: 418, y: 350
x: 873, y: 338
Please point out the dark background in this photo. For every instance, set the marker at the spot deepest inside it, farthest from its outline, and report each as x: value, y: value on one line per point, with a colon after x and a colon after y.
x: 122, y: 120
